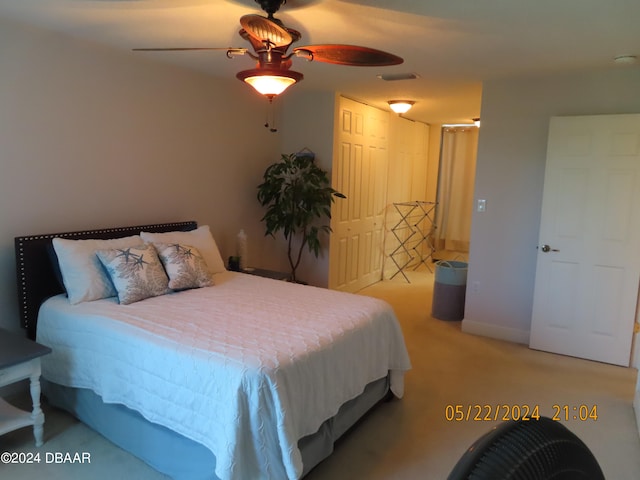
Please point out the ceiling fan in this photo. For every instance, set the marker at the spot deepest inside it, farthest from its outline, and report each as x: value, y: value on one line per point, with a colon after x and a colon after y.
x: 270, y: 41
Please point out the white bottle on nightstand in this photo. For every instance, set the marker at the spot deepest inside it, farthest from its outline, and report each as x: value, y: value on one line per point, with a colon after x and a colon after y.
x: 242, y: 249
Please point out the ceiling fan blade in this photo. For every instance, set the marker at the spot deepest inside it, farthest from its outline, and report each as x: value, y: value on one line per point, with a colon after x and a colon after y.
x: 264, y: 29
x: 181, y: 49
x: 348, y: 55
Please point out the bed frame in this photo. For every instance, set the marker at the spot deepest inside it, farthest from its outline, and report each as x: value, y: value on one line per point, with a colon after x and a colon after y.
x: 39, y: 278
x: 37, y: 269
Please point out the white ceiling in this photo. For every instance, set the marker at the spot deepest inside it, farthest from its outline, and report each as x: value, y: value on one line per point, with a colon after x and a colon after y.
x: 453, y: 45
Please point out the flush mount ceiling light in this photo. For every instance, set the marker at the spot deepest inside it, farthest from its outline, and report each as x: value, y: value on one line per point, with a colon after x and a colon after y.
x: 400, y: 106
x: 270, y: 81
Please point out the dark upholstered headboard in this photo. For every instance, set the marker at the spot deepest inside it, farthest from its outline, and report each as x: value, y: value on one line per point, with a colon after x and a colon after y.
x: 37, y: 272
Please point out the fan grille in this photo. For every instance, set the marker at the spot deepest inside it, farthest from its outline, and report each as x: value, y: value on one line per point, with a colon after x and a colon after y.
x: 532, y: 450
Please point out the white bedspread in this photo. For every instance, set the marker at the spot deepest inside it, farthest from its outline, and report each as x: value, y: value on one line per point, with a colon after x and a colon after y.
x: 247, y: 367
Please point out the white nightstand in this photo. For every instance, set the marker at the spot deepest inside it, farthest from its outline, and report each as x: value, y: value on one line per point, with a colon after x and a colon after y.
x: 19, y: 360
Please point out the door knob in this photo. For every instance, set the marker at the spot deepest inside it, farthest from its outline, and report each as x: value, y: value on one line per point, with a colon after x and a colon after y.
x: 547, y: 248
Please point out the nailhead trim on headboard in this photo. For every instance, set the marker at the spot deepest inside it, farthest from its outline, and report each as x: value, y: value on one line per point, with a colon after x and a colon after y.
x: 35, y: 271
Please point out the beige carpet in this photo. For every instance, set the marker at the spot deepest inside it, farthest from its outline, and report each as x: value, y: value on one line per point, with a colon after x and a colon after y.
x: 412, y: 438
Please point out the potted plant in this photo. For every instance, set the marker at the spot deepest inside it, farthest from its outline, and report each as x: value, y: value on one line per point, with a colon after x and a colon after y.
x: 298, y: 197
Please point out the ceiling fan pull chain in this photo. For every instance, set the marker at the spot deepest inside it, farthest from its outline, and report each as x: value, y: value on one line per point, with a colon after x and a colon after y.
x: 270, y: 117
x: 272, y: 107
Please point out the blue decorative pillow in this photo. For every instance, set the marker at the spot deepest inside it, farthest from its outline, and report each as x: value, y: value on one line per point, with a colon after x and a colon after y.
x: 136, y: 272
x: 184, y: 265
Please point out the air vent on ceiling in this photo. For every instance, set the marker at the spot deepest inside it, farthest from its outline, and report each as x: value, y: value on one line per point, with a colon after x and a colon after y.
x: 392, y: 77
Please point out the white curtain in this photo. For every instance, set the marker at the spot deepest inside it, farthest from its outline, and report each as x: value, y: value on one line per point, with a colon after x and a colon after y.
x: 456, y: 179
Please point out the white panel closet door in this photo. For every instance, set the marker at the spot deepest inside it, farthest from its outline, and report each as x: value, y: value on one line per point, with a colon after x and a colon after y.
x: 359, y: 172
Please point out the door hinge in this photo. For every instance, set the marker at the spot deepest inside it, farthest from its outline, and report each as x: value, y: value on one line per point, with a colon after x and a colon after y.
x: 636, y: 327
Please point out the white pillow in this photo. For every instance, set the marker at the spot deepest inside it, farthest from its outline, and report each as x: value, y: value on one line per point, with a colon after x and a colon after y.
x: 83, y: 276
x: 200, y: 238
x: 184, y: 265
x: 136, y: 272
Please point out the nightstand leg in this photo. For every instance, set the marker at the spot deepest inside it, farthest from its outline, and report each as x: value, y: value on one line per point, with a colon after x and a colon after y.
x: 36, y: 415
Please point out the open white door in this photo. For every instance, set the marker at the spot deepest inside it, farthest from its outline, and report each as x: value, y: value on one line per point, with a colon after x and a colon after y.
x: 360, y: 172
x: 588, y: 268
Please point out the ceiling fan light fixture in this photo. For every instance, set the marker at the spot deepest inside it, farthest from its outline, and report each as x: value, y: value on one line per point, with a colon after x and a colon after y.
x: 400, y: 106
x: 269, y: 82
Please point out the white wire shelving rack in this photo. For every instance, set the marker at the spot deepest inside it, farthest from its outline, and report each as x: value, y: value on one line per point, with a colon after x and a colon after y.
x: 414, y: 233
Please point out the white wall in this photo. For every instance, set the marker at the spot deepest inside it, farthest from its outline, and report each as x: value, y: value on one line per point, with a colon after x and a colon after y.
x: 91, y: 137
x: 510, y: 175
x: 307, y: 122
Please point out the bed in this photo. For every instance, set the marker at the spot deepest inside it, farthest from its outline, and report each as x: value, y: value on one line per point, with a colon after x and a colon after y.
x: 242, y: 377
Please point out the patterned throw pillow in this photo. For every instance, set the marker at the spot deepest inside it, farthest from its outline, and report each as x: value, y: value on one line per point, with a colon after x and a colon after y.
x: 136, y: 272
x: 199, y: 238
x: 184, y: 265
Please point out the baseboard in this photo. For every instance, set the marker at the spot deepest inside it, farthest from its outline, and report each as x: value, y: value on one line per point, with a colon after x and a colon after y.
x: 495, y: 331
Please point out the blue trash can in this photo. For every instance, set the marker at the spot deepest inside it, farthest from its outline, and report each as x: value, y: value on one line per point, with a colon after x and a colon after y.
x: 449, y: 290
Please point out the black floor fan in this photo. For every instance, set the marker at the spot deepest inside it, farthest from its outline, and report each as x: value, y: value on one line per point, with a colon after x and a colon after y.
x: 528, y: 450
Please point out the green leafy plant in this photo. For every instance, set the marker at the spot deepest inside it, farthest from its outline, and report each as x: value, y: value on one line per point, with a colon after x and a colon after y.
x: 298, y: 197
